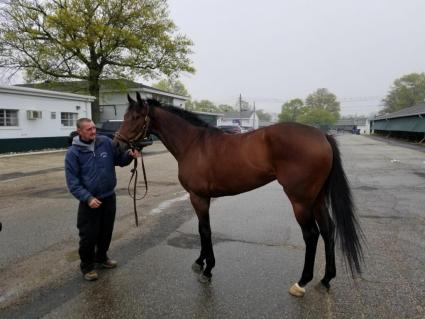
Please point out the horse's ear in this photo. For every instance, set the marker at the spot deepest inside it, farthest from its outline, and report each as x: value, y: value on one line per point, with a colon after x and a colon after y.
x: 139, y: 98
x: 130, y: 100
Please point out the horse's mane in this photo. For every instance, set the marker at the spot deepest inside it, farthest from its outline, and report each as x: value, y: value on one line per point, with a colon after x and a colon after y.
x: 192, y: 118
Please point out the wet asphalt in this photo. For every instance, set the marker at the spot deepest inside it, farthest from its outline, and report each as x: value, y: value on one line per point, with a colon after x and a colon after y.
x: 259, y: 254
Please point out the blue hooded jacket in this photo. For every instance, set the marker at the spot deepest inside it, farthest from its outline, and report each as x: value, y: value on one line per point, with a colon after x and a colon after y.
x: 90, y: 168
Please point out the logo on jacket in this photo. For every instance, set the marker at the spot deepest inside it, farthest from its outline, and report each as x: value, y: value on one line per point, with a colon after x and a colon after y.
x: 103, y: 154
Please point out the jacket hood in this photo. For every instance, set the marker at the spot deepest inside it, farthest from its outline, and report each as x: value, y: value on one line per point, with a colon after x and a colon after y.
x: 77, y: 142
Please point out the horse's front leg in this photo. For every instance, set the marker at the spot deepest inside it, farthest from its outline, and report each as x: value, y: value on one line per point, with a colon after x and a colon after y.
x: 202, y: 206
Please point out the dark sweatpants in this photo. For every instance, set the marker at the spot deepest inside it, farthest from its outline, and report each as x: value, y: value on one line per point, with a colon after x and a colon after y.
x: 95, y: 227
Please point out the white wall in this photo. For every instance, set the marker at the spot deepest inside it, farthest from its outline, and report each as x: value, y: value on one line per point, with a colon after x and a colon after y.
x: 251, y: 122
x: 23, y: 99
x: 114, y: 104
x: 179, y: 103
x: 364, y: 129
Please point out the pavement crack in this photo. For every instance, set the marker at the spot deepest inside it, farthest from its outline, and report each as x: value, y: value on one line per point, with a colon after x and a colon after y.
x: 192, y: 241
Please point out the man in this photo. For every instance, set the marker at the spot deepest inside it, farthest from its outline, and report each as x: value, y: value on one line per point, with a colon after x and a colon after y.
x: 90, y: 175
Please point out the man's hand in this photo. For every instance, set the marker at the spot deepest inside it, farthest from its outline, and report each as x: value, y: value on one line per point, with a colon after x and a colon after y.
x: 94, y: 202
x: 134, y: 153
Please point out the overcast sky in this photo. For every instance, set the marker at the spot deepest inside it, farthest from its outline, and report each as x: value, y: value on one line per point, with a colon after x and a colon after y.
x: 274, y: 50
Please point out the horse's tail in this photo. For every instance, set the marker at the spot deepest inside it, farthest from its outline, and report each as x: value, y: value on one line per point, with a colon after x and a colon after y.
x: 339, y: 199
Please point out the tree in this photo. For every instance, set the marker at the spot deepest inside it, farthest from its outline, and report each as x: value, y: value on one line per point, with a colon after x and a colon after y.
x: 205, y: 106
x: 263, y: 116
x: 91, y: 40
x: 189, y: 105
x: 225, y: 108
x: 172, y: 86
x: 291, y: 110
x: 405, y: 92
x: 317, y: 116
x: 321, y: 108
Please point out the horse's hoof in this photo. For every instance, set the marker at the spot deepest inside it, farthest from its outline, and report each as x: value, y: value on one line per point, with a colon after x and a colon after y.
x: 204, y: 279
x: 197, y: 268
x: 326, y: 285
x: 321, y: 288
x: 296, y: 290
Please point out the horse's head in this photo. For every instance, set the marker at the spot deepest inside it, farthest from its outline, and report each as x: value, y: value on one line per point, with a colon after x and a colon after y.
x: 135, y: 125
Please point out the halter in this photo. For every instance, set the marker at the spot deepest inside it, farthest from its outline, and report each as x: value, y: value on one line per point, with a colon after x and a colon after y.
x: 140, y: 136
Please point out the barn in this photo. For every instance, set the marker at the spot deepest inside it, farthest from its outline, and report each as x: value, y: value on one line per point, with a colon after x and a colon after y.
x: 407, y: 123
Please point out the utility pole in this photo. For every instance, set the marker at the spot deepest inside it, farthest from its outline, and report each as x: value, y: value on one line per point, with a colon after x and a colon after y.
x: 253, y: 122
x: 240, y: 103
x: 240, y: 109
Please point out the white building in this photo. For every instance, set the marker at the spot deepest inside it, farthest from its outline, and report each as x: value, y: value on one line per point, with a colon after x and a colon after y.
x: 360, y: 124
x: 113, y: 101
x: 245, y: 119
x: 32, y: 119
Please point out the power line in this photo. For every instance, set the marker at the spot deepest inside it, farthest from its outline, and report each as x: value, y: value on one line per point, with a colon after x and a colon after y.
x: 283, y: 100
x: 360, y: 106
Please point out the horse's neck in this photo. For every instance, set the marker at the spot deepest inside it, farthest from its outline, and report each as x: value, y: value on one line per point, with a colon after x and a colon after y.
x: 175, y: 132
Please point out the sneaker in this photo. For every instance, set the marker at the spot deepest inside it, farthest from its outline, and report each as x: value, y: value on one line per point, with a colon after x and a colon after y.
x: 109, y: 264
x: 91, y: 275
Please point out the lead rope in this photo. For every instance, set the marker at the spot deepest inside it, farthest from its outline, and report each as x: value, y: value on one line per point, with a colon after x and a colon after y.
x: 135, y: 174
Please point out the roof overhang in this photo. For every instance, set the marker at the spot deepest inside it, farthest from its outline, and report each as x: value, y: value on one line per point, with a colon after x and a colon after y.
x: 159, y: 92
x: 19, y: 90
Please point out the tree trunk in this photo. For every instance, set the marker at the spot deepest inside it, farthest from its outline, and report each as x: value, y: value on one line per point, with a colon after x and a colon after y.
x: 94, y: 90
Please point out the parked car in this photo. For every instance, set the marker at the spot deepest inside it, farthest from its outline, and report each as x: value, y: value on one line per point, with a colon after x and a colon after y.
x: 109, y: 128
x: 231, y: 129
x: 247, y: 129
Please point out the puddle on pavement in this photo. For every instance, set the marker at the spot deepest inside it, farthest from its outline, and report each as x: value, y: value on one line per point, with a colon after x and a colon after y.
x: 15, y: 175
x: 58, y: 192
x: 420, y: 174
x: 185, y: 241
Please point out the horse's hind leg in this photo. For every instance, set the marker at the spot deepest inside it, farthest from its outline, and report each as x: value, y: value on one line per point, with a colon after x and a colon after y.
x: 327, y: 230
x: 310, y: 231
x: 201, y: 206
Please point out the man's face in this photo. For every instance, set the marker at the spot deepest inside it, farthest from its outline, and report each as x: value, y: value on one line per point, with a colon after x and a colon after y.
x: 87, y: 131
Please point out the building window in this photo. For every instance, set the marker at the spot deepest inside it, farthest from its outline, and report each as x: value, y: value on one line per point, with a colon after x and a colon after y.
x: 53, y: 115
x: 69, y: 119
x: 8, y: 117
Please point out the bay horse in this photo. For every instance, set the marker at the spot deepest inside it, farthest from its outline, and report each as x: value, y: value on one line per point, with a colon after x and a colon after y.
x: 211, y: 163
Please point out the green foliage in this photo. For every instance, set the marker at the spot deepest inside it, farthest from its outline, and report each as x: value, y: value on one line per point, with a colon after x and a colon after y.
x: 263, y: 116
x: 225, y: 108
x: 189, y: 105
x: 321, y: 108
x: 317, y: 116
x: 91, y: 40
x: 172, y: 86
x: 291, y: 111
x: 203, y: 106
x: 405, y: 92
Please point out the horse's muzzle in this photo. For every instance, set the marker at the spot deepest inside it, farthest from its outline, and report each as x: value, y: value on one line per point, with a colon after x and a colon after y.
x: 120, y: 145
